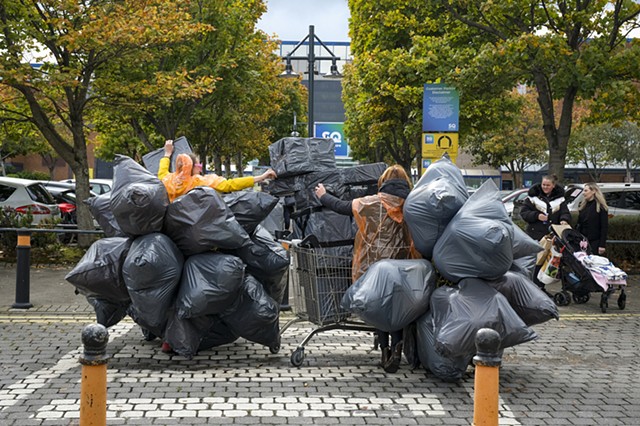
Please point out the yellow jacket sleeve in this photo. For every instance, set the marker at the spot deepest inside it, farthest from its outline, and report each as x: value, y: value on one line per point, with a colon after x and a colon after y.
x: 230, y: 185
x: 163, y: 167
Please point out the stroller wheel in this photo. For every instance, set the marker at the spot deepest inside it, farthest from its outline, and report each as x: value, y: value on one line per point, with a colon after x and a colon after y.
x: 622, y: 300
x: 561, y: 299
x: 604, y: 303
x: 581, y: 298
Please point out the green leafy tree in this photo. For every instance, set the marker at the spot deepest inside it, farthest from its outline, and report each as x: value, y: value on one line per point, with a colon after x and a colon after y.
x: 74, y: 41
x: 517, y: 144
x: 566, y: 50
x: 590, y: 146
x: 624, y: 145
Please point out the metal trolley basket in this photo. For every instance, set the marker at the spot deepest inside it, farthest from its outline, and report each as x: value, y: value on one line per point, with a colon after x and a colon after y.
x: 318, y: 278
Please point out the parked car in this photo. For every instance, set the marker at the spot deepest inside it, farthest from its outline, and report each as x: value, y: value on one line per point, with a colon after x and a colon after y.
x: 513, y: 202
x: 98, y: 186
x: 24, y: 195
x: 623, y: 199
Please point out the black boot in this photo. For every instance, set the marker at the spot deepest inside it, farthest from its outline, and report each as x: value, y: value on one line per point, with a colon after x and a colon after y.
x: 385, y: 355
x: 394, y: 361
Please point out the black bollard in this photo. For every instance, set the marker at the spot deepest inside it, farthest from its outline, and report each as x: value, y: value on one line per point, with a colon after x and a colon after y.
x: 23, y: 263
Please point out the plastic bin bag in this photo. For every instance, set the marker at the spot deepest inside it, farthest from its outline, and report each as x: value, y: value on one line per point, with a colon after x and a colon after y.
x: 256, y: 316
x: 449, y: 369
x: 98, y: 274
x: 531, y: 304
x: 250, y: 207
x: 152, y: 273
x: 210, y: 282
x: 392, y: 293
x: 139, y: 199
x: 100, y: 208
x: 185, y: 335
x: 478, y: 241
x: 458, y: 314
x: 199, y: 221
x: 108, y: 313
x: 295, y: 156
x: 152, y: 159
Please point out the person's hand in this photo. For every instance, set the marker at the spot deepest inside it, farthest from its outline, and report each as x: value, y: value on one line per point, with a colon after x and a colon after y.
x: 601, y: 250
x: 168, y: 148
x: 564, y: 222
x: 542, y: 217
x: 320, y: 190
x: 269, y: 174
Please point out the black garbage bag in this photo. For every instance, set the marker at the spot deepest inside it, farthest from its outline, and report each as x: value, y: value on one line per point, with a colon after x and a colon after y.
x: 410, y: 345
x: 250, y: 207
x: 100, y: 208
x: 429, y: 208
x: 99, y: 273
x: 458, y: 314
x: 443, y: 168
x: 185, y: 335
x: 449, y: 369
x: 295, y: 156
x: 199, y: 221
x: 108, y: 313
x: 266, y: 260
x: 523, y: 244
x: 274, y: 222
x: 152, y: 273
x: 210, y: 282
x: 525, y: 265
x: 478, y: 241
x: 218, y: 334
x: 531, y: 304
x: 152, y: 159
x: 139, y: 199
x: 305, y: 195
x: 392, y: 293
x: 362, y: 174
x: 256, y: 316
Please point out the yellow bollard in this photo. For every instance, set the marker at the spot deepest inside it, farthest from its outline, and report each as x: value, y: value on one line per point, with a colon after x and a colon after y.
x: 93, y: 388
x: 487, y: 378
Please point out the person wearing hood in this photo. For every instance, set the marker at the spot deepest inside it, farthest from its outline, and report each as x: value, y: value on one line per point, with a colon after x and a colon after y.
x: 187, y: 176
x: 382, y: 234
x: 545, y: 206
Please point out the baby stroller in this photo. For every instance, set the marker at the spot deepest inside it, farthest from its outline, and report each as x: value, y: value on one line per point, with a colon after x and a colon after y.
x: 582, y: 273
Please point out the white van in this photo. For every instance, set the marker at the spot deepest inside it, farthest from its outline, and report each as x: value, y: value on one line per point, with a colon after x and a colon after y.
x: 623, y: 199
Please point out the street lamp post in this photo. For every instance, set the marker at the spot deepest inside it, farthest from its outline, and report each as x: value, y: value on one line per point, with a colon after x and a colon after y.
x: 311, y: 58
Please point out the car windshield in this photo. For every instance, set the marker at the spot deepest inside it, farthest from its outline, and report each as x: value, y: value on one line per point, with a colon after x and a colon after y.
x: 37, y: 192
x: 572, y: 193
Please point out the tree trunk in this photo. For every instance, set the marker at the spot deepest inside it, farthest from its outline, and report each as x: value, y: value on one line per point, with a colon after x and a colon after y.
x: 239, y: 165
x: 217, y: 164
x: 227, y: 167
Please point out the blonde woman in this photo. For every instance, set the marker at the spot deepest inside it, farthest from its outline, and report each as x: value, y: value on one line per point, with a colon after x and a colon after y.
x: 593, y: 218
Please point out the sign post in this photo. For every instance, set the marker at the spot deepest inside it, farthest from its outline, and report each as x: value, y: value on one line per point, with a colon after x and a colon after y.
x: 440, y: 113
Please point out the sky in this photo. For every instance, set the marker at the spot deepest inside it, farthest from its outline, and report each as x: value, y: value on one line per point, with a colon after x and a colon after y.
x: 290, y: 19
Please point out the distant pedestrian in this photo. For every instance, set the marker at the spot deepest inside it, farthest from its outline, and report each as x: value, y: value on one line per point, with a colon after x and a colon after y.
x: 593, y: 218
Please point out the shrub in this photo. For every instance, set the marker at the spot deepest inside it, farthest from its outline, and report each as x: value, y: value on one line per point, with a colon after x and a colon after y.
x: 32, y: 175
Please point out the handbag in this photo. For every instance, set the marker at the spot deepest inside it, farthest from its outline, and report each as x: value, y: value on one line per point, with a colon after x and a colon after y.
x: 550, y: 271
x: 545, y: 242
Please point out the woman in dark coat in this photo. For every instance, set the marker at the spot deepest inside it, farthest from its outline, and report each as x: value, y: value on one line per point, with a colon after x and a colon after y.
x: 593, y: 218
x: 545, y: 206
x: 382, y: 234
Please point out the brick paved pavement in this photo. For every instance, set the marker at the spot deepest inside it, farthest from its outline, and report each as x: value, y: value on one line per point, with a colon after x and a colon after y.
x: 583, y: 370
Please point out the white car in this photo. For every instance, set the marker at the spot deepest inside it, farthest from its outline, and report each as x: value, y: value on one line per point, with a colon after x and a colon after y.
x: 98, y: 186
x: 623, y: 199
x: 23, y: 196
x: 513, y: 201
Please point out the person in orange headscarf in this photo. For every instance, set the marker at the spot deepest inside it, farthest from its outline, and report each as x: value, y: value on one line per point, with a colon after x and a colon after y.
x: 187, y: 176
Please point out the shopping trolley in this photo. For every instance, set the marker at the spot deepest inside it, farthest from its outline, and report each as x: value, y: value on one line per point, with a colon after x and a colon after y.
x: 318, y: 278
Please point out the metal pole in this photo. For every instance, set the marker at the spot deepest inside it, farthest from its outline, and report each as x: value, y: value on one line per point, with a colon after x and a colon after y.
x: 23, y: 252
x: 311, y: 59
x: 487, y: 380
x: 93, y: 388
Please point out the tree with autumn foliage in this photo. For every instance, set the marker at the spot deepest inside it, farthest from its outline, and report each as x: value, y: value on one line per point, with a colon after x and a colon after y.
x: 73, y: 41
x: 517, y: 143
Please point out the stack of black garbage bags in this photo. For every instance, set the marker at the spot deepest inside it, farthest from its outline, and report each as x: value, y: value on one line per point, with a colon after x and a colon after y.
x: 199, y: 272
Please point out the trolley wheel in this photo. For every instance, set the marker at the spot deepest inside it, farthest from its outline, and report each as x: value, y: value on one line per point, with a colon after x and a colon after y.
x: 561, y: 299
x: 274, y: 349
x: 604, y: 303
x: 583, y: 298
x: 622, y: 300
x: 297, y: 357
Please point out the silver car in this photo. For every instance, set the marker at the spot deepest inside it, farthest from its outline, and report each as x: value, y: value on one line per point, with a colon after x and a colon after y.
x: 23, y: 196
x: 623, y: 199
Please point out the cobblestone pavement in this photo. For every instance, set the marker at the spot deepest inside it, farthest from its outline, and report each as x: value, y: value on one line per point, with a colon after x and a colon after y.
x: 582, y: 370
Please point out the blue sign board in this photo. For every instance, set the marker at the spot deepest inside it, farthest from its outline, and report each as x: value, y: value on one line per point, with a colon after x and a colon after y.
x: 333, y: 131
x: 440, y: 108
